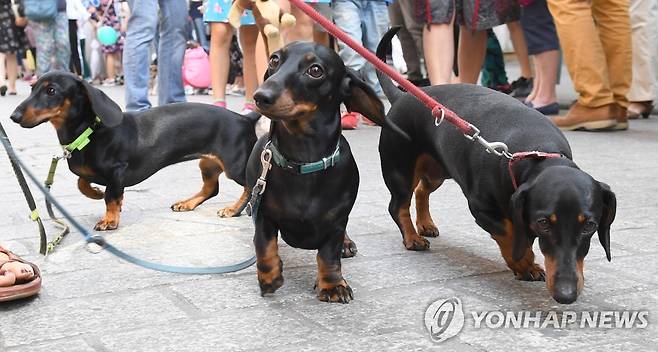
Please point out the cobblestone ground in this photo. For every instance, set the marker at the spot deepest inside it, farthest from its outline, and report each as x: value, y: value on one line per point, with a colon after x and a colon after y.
x: 95, y: 302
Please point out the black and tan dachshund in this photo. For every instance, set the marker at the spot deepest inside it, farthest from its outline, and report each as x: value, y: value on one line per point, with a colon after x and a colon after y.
x: 555, y: 201
x: 304, y: 87
x: 127, y: 148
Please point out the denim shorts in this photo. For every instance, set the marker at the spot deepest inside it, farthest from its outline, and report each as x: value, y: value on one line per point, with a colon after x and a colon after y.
x: 217, y: 11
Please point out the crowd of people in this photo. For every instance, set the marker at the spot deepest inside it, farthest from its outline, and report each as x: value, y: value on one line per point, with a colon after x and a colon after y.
x: 608, y: 46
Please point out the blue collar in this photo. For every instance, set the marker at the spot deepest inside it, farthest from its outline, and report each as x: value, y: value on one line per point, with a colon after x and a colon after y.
x: 304, y: 168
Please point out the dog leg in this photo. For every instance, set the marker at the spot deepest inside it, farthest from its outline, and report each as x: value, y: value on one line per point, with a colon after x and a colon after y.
x: 113, y: 204
x: 526, y: 269
x: 330, y: 285
x: 90, y: 192
x: 210, y: 171
x: 424, y: 222
x: 349, y: 247
x: 232, y: 210
x: 268, y: 263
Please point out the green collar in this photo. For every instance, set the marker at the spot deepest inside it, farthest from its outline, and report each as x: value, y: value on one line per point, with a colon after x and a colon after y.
x: 83, y: 139
x: 305, y: 168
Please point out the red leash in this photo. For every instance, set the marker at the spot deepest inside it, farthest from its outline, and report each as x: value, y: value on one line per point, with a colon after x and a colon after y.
x: 438, y: 111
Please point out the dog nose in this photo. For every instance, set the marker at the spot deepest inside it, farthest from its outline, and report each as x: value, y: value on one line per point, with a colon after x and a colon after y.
x: 16, y: 116
x: 565, y: 292
x: 264, y: 98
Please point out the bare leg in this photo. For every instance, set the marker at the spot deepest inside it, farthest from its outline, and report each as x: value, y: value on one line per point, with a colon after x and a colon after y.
x: 220, y: 41
x: 439, y: 52
x: 12, y: 71
x: 546, y: 65
x: 248, y: 38
x: 472, y: 47
x: 520, y: 47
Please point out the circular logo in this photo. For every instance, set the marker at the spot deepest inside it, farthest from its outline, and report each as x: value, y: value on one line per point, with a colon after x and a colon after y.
x: 444, y: 319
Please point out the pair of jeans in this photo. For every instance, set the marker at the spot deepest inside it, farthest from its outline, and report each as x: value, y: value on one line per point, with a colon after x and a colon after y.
x: 365, y: 21
x: 52, y: 42
x: 142, y: 29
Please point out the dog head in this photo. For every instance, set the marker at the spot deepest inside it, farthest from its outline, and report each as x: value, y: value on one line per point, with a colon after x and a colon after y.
x: 563, y: 207
x: 303, y: 78
x: 66, y: 101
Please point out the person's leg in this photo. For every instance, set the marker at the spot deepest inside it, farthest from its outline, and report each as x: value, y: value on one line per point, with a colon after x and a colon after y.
x: 645, y: 40
x: 12, y: 72
x: 171, y: 50
x: 320, y: 36
x: 520, y: 48
x: 44, y: 38
x: 74, y: 64
x: 472, y: 48
x: 248, y: 37
x: 220, y: 41
x: 409, y: 51
x: 347, y: 17
x: 110, y: 66
x: 583, y: 51
x: 412, y: 23
x: 3, y: 74
x: 136, y: 59
x: 200, y: 30
x: 375, y: 24
x: 62, y: 46
x: 546, y: 66
x: 438, y: 40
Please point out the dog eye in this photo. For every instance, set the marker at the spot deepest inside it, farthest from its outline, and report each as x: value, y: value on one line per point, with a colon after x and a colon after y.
x: 50, y: 91
x: 589, y: 228
x: 274, y: 62
x: 315, y: 71
x: 543, y: 224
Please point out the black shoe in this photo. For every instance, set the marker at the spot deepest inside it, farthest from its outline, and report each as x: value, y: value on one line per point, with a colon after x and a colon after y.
x: 522, y: 87
x: 3, y: 90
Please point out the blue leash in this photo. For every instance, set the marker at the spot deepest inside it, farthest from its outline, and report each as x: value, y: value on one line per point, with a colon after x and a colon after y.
x: 112, y: 249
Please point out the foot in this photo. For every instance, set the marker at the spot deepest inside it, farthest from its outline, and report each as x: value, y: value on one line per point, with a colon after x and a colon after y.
x: 581, y: 117
x: 621, y: 114
x: 341, y: 293
x: 349, y: 248
x: 546, y: 109
x: 271, y: 280
x: 416, y: 243
x: 106, y: 225
x: 227, y: 212
x: 534, y: 273
x: 427, y: 229
x: 522, y: 87
x: 639, y: 109
x: 183, y: 205
x: 18, y: 278
x: 3, y: 90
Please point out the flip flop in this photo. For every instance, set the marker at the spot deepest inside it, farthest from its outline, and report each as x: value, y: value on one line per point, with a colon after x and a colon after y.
x: 22, y: 289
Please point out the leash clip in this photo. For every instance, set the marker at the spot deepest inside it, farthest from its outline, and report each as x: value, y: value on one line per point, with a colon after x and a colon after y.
x: 266, y: 162
x: 496, y: 148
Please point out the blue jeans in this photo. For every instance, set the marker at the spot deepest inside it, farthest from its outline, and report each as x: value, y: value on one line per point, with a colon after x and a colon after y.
x: 365, y: 21
x: 142, y: 27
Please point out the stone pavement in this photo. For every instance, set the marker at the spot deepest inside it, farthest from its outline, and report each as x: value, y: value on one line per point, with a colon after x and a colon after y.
x: 95, y: 302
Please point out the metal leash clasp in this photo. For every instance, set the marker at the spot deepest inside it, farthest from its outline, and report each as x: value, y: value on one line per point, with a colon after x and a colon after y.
x: 266, y: 162
x: 496, y: 148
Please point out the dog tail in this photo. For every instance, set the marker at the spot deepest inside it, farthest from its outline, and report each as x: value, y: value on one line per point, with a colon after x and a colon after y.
x: 252, y: 116
x: 390, y: 90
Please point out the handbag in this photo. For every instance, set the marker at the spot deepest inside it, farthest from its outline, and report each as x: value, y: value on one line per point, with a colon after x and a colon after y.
x: 40, y: 10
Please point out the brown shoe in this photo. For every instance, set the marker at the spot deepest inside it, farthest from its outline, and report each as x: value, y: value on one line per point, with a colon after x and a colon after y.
x: 622, y: 118
x: 581, y: 117
x: 639, y: 108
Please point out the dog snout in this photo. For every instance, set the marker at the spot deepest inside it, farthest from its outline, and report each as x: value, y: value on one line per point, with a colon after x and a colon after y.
x: 16, y: 116
x: 265, y: 98
x: 565, y: 291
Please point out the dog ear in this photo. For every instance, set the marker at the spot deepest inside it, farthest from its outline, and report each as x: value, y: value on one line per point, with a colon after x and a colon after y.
x: 607, y: 217
x: 521, y: 229
x: 105, y: 108
x: 359, y: 97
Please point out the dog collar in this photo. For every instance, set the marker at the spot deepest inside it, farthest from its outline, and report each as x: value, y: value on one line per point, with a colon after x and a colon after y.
x: 83, y: 139
x: 305, y: 168
x: 516, y: 157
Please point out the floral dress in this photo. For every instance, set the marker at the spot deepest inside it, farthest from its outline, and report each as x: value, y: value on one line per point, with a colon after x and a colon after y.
x: 106, y: 14
x: 12, y: 38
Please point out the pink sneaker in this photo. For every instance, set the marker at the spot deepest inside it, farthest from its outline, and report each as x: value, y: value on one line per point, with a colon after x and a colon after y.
x: 221, y: 104
x: 247, y: 108
x: 350, y: 120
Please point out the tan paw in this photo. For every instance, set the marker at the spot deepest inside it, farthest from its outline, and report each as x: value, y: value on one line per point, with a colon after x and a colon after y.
x: 227, y: 212
x: 183, y: 206
x: 416, y: 243
x: 106, y: 225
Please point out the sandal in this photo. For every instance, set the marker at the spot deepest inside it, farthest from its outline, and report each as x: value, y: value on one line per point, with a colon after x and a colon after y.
x: 639, y: 109
x: 22, y: 288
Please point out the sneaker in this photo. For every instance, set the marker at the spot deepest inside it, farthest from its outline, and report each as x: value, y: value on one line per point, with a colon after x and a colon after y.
x: 247, y: 108
x: 522, y: 87
x: 221, y: 104
x: 550, y: 109
x: 350, y: 120
x: 109, y: 83
x: 236, y: 91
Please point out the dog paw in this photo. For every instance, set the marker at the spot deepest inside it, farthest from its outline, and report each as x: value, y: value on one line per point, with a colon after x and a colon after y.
x: 428, y: 230
x: 227, y: 212
x: 182, y: 206
x: 417, y: 244
x: 534, y: 273
x: 349, y: 249
x: 106, y: 225
x: 97, y: 193
x: 338, y: 294
x: 270, y: 286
